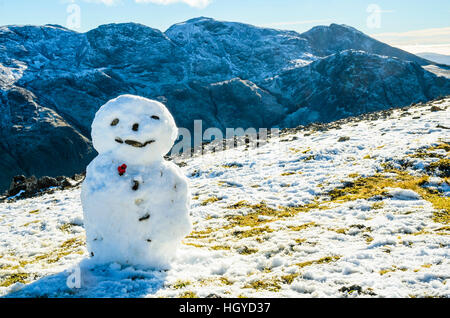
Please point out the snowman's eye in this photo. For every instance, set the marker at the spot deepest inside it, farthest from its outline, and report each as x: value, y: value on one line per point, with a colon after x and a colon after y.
x: 155, y: 117
x: 115, y: 122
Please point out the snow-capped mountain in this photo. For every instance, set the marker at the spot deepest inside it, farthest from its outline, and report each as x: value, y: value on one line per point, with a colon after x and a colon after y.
x: 355, y: 208
x: 53, y: 80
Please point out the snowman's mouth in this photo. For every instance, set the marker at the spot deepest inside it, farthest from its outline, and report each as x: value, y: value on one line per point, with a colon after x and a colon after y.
x: 134, y: 143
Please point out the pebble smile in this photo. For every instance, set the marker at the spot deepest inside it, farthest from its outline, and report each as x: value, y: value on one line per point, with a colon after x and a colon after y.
x: 134, y: 143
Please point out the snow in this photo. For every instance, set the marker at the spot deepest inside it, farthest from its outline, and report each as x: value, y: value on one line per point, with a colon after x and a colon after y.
x: 404, y: 194
x: 155, y: 125
x: 393, y: 250
x: 137, y: 216
x: 439, y: 71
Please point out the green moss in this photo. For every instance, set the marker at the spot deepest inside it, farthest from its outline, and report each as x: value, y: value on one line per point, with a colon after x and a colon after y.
x: 339, y: 231
x: 247, y: 251
x: 200, y: 234
x: 66, y: 227
x: 303, y: 151
x: 194, y: 244
x: 210, y: 200
x: 425, y: 155
x: 66, y: 248
x: 303, y: 226
x: 368, y: 238
x: 181, y: 284
x: 232, y: 165
x: 32, y: 222
x: 252, y: 232
x: 227, y: 184
x: 323, y: 260
x: 288, y: 279
x: 269, y: 285
x: 252, y: 219
x: 220, y: 247
x: 368, y: 187
x: 71, y: 243
x: 10, y: 279
x: 378, y: 205
x: 188, y: 294
x: 392, y: 269
x: 225, y: 281
x: 442, y: 145
x: 440, y: 168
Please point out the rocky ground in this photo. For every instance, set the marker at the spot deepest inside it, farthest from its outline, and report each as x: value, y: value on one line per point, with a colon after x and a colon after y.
x: 354, y: 208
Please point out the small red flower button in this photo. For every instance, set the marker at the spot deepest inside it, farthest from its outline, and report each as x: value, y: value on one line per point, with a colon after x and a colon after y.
x: 122, y: 169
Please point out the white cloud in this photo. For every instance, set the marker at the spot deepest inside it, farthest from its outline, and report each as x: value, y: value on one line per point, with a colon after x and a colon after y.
x: 437, y: 48
x: 434, y: 40
x: 417, y: 33
x: 193, y: 3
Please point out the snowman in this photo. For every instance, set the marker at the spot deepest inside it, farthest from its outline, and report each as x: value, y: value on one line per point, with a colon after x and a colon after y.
x: 135, y: 204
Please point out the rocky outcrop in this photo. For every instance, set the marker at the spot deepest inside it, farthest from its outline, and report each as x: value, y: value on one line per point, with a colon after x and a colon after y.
x: 35, y: 140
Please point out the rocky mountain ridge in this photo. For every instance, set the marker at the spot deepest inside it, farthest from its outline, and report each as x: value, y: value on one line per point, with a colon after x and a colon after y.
x: 53, y: 80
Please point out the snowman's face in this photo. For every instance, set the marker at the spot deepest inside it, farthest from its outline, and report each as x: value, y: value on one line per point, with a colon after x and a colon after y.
x: 134, y: 129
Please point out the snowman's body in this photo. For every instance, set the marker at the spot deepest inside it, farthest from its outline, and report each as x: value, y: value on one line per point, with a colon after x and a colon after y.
x: 139, y: 215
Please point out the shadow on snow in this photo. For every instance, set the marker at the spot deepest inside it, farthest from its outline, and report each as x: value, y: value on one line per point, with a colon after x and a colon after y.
x: 95, y: 281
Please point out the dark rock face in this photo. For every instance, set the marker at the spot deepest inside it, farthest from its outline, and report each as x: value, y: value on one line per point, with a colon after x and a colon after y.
x: 23, y: 187
x: 53, y: 80
x: 37, y: 141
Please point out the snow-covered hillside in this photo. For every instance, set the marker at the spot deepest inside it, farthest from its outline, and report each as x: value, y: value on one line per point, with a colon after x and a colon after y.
x: 352, y: 208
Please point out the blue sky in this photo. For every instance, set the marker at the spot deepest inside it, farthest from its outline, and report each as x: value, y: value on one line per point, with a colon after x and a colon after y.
x: 413, y: 25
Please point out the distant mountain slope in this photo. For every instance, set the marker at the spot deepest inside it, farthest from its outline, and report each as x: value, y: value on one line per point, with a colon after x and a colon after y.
x: 351, y: 83
x: 437, y: 58
x: 326, y: 40
x: 227, y: 74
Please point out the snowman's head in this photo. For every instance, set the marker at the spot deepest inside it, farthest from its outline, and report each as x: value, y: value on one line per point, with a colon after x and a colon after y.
x: 134, y: 129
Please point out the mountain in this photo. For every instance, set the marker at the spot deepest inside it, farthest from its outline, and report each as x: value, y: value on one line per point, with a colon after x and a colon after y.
x: 53, y: 80
x: 327, y: 40
x: 437, y: 58
x: 351, y: 83
x: 359, y: 208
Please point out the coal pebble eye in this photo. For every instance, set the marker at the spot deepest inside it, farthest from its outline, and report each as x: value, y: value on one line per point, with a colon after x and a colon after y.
x: 135, y: 127
x: 115, y: 122
x: 155, y: 117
